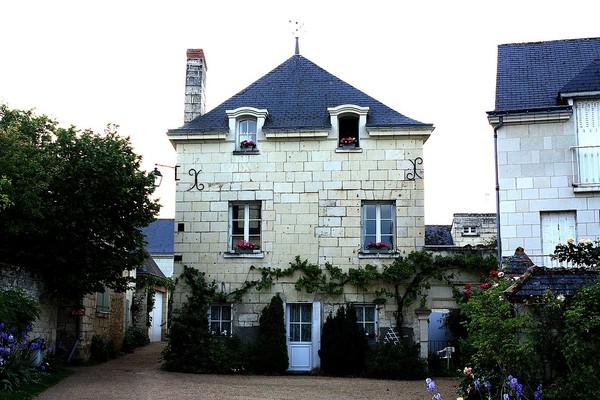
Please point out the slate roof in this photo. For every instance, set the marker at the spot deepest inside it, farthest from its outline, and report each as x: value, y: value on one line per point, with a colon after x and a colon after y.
x: 296, y: 95
x: 518, y: 263
x: 531, y: 75
x: 150, y: 268
x: 561, y: 281
x: 438, y: 235
x: 160, y: 236
x: 587, y: 80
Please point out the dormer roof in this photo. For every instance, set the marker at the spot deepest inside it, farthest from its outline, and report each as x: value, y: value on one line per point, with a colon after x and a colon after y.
x: 297, y: 95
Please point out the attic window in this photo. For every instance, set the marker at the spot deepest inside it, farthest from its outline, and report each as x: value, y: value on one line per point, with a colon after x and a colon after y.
x: 245, y: 128
x: 348, y: 130
x: 348, y: 123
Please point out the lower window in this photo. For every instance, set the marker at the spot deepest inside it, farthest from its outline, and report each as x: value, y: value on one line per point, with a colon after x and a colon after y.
x: 366, y: 318
x: 220, y: 319
x: 378, y: 226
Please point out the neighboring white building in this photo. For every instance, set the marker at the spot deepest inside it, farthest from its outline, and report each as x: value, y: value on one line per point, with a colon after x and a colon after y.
x: 473, y: 229
x: 547, y: 122
x: 271, y: 166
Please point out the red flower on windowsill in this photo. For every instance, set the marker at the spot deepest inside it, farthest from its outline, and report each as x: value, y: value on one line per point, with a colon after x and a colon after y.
x: 379, y: 245
x: 348, y: 140
x: 246, y: 245
x: 247, y: 144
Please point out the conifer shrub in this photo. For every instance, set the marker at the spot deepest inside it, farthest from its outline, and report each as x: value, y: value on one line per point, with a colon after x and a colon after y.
x: 270, y: 350
x: 343, y: 345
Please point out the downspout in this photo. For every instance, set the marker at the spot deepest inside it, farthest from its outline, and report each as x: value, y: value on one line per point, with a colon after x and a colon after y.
x: 498, y: 237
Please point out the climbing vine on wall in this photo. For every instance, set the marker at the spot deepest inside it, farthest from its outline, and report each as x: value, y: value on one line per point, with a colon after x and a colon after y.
x: 405, y: 280
x: 145, y: 285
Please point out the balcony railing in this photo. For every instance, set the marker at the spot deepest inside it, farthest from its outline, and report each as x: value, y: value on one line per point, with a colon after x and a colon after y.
x: 585, y: 161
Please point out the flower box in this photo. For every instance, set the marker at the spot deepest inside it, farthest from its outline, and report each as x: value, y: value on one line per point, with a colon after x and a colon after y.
x: 246, y: 247
x: 246, y: 145
x: 379, y: 247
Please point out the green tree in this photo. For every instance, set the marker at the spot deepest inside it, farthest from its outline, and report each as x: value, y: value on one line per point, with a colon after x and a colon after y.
x: 78, y: 199
x: 271, y: 349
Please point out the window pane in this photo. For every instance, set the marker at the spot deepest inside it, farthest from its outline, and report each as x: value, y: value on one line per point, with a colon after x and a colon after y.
x: 238, y: 211
x: 370, y: 227
x: 294, y: 313
x: 214, y: 313
x: 226, y: 326
x: 254, y: 211
x: 370, y: 211
x: 389, y: 239
x: 369, y: 313
x: 369, y: 328
x: 306, y: 313
x: 387, y: 227
x: 226, y: 313
x: 294, y: 332
x: 359, y: 313
x: 306, y: 333
x: 386, y: 211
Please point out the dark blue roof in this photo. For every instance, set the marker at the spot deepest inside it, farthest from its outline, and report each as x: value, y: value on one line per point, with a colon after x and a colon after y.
x: 560, y: 281
x: 296, y: 95
x: 438, y: 235
x: 150, y: 268
x: 587, y: 80
x: 530, y: 75
x: 160, y: 236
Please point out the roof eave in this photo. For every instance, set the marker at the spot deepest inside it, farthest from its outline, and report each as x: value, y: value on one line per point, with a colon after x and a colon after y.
x: 531, y: 116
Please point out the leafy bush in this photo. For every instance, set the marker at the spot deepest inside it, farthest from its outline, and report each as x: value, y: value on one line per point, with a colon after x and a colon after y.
x: 18, y: 310
x: 101, y: 350
x: 270, y: 351
x: 19, y: 364
x: 396, y: 361
x: 343, y: 345
x: 134, y: 337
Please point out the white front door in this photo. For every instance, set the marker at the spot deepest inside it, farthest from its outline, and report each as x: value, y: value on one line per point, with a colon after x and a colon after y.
x: 303, y: 329
x: 156, y: 327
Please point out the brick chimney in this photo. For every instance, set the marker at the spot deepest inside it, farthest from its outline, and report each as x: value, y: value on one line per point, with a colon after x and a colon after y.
x: 195, y: 83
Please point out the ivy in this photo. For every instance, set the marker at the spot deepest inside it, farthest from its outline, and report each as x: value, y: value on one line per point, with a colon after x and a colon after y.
x: 405, y: 280
x: 144, y: 285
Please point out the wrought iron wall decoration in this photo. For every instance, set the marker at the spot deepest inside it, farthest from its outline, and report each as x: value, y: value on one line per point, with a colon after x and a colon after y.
x: 197, y: 185
x: 411, y: 176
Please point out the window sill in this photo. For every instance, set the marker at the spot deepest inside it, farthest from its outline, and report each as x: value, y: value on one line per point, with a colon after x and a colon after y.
x: 259, y: 254
x: 246, y: 151
x: 380, y: 254
x: 102, y: 314
x: 586, y: 188
x: 348, y: 150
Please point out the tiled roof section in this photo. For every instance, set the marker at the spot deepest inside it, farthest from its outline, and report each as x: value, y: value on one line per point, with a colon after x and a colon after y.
x: 438, y: 235
x: 518, y: 263
x: 530, y: 75
x: 560, y: 281
x: 587, y: 80
x: 160, y: 236
x: 150, y: 268
x: 296, y: 95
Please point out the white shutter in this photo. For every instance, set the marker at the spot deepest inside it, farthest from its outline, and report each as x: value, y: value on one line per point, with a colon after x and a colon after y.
x: 588, y: 134
x: 557, y: 227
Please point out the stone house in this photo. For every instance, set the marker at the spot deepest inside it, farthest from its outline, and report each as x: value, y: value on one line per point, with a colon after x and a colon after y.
x: 299, y: 163
x: 546, y: 122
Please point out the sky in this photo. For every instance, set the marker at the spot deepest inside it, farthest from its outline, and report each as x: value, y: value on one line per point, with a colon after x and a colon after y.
x: 89, y: 64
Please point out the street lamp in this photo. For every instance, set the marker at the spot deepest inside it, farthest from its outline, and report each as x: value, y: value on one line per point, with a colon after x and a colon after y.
x: 158, y: 175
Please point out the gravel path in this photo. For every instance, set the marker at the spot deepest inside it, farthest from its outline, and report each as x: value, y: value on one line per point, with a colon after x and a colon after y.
x: 138, y: 376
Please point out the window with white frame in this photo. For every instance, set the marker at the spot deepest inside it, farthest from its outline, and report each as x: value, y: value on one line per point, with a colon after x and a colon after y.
x: 348, y: 130
x: 246, y: 134
x: 245, y: 226
x: 378, y: 226
x: 469, y: 231
x: 220, y: 319
x: 366, y: 318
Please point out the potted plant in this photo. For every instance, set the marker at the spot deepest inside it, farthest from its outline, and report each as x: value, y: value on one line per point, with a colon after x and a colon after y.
x: 379, y: 247
x: 244, y: 247
x: 348, y: 142
x: 247, y: 144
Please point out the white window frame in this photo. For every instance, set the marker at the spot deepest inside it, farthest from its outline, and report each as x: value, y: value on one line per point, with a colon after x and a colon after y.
x: 220, y: 321
x: 362, y: 322
x: 378, y: 222
x: 470, y: 231
x: 246, y: 130
x: 587, y: 152
x: 246, y: 113
x: 346, y: 110
x: 247, y: 236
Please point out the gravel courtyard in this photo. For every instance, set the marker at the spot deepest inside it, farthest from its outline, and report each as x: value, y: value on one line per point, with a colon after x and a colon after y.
x: 138, y: 376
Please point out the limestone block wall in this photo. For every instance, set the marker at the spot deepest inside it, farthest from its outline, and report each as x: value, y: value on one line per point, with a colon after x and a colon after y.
x: 535, y: 170
x: 311, y: 195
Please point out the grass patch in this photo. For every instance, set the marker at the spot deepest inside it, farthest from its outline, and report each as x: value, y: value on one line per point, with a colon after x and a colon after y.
x: 29, y: 392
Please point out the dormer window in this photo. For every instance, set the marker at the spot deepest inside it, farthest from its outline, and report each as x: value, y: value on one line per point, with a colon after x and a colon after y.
x: 348, y: 123
x: 246, y: 134
x: 348, y: 131
x: 245, y: 128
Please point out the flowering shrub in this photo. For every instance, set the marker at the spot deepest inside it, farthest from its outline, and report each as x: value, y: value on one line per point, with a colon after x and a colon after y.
x: 431, y: 388
x: 476, y: 388
x: 20, y: 360
x: 245, y: 144
x: 348, y: 140
x: 379, y: 245
x: 583, y: 253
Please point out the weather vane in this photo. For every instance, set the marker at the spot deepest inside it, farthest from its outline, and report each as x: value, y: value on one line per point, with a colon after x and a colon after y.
x: 296, y: 29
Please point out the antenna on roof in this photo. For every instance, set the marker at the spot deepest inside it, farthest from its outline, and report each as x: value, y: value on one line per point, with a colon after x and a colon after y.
x: 296, y: 28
